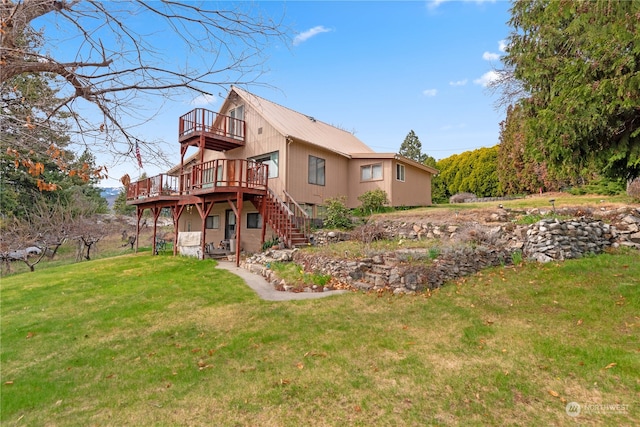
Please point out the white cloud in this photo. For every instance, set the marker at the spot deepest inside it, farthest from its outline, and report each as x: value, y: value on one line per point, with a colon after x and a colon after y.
x: 433, y: 4
x: 490, y: 56
x: 487, y: 78
x: 204, y: 99
x: 306, y: 35
x: 430, y: 92
x: 458, y: 83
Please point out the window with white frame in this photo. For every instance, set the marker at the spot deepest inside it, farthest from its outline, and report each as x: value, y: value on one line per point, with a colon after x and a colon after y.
x: 399, y: 172
x: 371, y: 172
x: 271, y: 160
x: 316, y: 170
x: 236, y: 116
x: 213, y: 222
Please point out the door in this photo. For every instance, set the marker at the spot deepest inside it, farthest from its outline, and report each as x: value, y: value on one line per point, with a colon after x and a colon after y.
x: 231, y: 173
x: 229, y: 225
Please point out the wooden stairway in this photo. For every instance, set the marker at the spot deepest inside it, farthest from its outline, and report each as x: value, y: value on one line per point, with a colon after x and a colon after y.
x: 291, y: 223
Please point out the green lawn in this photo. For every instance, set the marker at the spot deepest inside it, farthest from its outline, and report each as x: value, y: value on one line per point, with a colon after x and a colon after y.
x: 138, y: 340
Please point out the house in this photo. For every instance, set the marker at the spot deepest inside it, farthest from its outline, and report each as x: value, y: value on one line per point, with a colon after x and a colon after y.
x: 262, y: 169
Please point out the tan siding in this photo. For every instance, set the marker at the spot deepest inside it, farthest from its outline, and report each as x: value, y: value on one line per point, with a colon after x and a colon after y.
x: 257, y: 143
x: 336, y: 174
x: 358, y: 187
x: 414, y: 191
x: 250, y: 237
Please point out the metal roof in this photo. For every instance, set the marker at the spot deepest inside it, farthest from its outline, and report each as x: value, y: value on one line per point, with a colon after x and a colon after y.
x: 304, y: 128
x: 402, y: 159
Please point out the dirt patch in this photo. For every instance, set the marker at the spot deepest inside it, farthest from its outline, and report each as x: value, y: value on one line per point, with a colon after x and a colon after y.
x: 480, y: 213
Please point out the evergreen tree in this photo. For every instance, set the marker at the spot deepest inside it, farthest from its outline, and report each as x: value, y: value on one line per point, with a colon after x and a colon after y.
x: 411, y: 148
x: 472, y: 171
x: 578, y: 65
x: 34, y: 165
x: 120, y: 204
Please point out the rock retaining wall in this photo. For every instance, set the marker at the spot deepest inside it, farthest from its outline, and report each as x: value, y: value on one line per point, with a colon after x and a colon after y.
x: 552, y: 239
x: 459, y: 250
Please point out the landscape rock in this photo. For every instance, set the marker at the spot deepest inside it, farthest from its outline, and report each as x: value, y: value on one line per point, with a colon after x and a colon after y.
x: 461, y: 248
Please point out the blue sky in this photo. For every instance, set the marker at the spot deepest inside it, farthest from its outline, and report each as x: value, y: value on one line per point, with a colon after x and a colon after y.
x: 379, y: 69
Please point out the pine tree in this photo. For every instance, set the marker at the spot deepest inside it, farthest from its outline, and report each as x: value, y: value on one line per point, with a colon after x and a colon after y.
x: 411, y: 148
x: 120, y: 204
x: 35, y: 164
x: 578, y: 62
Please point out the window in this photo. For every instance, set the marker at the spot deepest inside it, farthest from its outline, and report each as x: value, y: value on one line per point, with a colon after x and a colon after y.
x: 271, y: 160
x: 213, y: 221
x: 237, y: 113
x: 399, y: 172
x: 371, y: 172
x: 254, y: 220
x: 321, y: 211
x: 307, y: 208
x: 316, y: 170
x: 236, y: 116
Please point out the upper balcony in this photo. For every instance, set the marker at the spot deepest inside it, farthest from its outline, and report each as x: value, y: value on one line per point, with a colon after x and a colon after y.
x: 218, y: 132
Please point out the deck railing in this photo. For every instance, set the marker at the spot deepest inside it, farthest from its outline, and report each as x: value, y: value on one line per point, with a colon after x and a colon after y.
x: 288, y: 219
x: 205, y: 121
x: 214, y: 175
x: 158, y: 185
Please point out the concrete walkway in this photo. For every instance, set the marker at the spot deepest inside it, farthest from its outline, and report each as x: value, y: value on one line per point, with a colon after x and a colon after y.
x: 265, y: 290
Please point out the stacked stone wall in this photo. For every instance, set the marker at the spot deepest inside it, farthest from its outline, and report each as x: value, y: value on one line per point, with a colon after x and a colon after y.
x: 458, y: 250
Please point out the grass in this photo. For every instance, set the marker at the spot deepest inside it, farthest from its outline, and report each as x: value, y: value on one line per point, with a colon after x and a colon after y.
x: 139, y: 340
x: 294, y: 275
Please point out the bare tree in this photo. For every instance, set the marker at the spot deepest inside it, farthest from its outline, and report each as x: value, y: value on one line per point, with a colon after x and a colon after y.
x: 509, y: 89
x: 52, y: 225
x: 19, y: 241
x: 125, y: 60
x: 87, y: 232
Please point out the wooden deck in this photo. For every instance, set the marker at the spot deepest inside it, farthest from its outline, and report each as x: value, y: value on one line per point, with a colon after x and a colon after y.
x: 222, y: 180
x: 212, y: 131
x: 222, y: 176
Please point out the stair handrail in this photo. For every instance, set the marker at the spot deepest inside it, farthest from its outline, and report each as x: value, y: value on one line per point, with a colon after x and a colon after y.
x: 306, y: 220
x: 280, y: 202
x: 282, y: 226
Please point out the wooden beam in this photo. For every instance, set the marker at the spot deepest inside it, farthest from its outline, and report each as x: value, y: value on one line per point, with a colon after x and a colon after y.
x: 238, y: 227
x: 139, y: 213
x: 263, y: 214
x: 204, y: 212
x: 233, y: 207
x: 176, y: 213
x: 156, y: 213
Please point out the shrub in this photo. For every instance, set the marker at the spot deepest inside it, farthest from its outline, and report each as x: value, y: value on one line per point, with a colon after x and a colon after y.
x: 338, y: 215
x: 368, y: 233
x: 268, y: 244
x: 633, y: 189
x: 461, y: 197
x: 603, y: 186
x: 373, y: 200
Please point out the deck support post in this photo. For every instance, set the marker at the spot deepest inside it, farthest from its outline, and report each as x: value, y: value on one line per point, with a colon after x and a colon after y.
x: 176, y: 212
x: 139, y: 213
x: 238, y: 227
x: 204, y: 209
x: 263, y: 214
x: 156, y: 213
